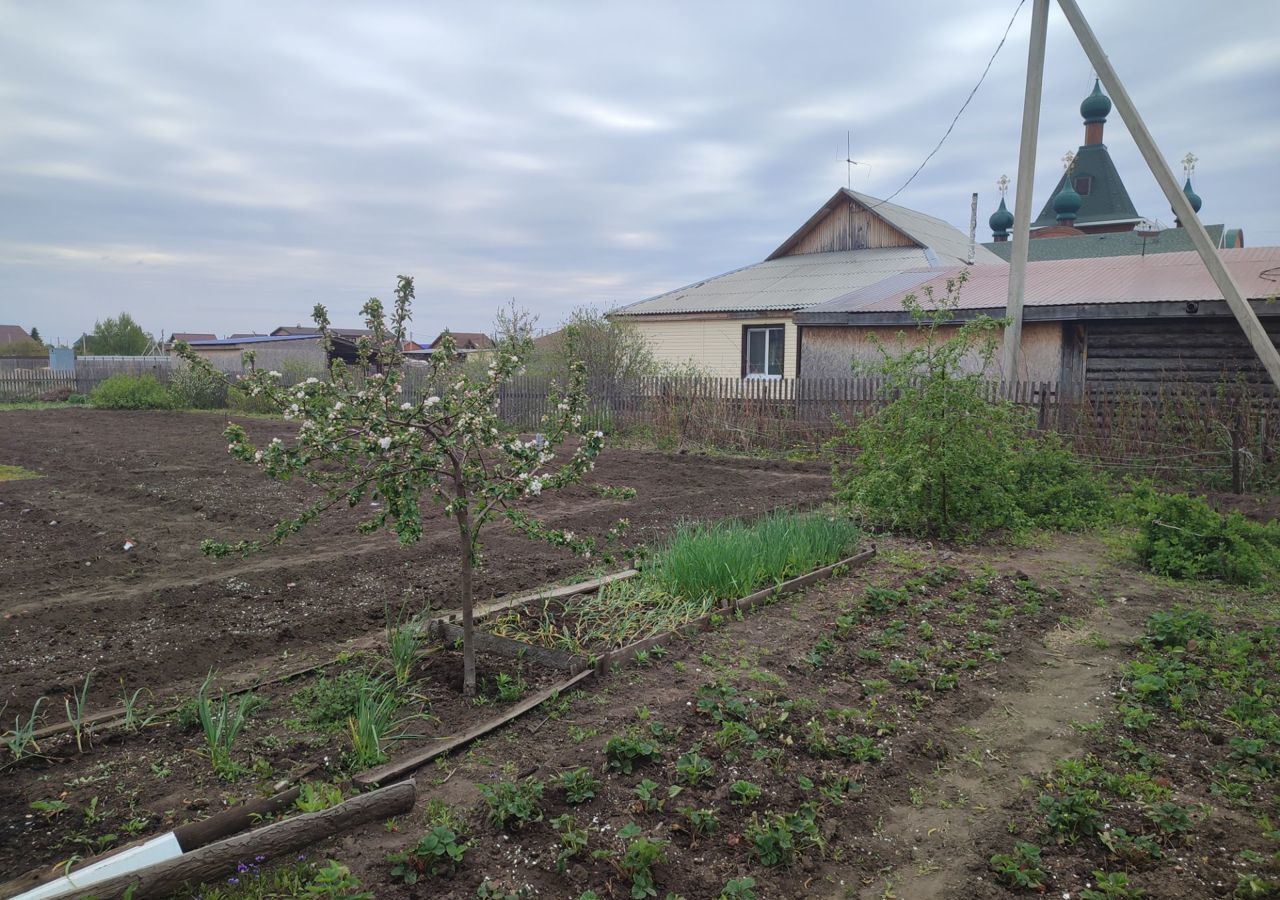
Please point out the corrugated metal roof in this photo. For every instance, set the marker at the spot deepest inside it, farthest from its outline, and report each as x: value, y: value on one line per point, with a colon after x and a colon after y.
x: 789, y: 282
x: 1165, y: 277
x: 261, y: 339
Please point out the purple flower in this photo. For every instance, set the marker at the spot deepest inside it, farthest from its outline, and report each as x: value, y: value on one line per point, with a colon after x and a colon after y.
x: 241, y: 868
x: 259, y: 858
x: 233, y: 880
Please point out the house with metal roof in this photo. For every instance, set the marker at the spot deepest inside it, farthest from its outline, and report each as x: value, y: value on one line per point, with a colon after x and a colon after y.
x: 1096, y: 322
x: 742, y: 323
x: 270, y: 351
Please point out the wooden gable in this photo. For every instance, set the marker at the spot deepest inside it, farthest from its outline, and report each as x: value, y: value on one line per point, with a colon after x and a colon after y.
x: 843, y: 224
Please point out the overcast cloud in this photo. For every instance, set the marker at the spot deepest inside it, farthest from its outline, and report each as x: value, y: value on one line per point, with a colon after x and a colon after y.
x: 222, y: 166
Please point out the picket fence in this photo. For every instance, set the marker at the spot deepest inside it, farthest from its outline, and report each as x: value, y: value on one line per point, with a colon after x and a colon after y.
x: 1190, y: 432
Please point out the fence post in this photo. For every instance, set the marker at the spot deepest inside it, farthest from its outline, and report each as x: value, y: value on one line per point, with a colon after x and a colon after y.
x: 1237, y: 438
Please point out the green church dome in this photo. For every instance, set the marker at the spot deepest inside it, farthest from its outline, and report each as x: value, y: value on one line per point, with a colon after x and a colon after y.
x: 1192, y: 196
x: 1096, y: 106
x: 1067, y: 203
x: 1001, y: 220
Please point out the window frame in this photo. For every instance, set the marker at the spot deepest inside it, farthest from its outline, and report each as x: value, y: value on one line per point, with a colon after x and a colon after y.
x: 767, y: 328
x: 1088, y: 184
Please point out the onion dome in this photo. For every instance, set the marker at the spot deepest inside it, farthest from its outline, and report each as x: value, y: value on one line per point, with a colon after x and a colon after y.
x: 1067, y: 203
x: 1192, y: 196
x: 1001, y: 221
x: 1096, y: 106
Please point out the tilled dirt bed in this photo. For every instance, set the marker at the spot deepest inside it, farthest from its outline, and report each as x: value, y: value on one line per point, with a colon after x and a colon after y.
x: 160, y: 615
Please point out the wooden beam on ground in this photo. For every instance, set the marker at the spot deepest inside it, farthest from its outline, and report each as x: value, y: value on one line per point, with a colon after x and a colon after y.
x: 1239, y: 305
x: 502, y: 646
x: 399, y: 768
x: 272, y: 841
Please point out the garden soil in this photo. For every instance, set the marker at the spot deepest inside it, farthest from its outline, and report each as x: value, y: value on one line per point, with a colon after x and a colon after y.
x: 160, y: 615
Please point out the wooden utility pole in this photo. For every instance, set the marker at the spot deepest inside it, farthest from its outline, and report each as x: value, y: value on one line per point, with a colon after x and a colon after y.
x: 1012, y: 356
x: 1244, y: 313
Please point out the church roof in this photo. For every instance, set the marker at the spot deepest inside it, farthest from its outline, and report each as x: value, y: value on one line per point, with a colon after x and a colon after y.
x: 1105, y: 198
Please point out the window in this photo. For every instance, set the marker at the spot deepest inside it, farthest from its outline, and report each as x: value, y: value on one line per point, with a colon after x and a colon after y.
x: 762, y: 351
x: 1082, y: 185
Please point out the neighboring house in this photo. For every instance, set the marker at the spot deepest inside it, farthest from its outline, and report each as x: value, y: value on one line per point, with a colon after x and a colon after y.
x: 187, y: 336
x: 466, y: 343
x: 352, y: 334
x: 742, y: 323
x: 1089, y: 212
x: 1121, y: 319
x: 270, y: 352
x: 13, y: 334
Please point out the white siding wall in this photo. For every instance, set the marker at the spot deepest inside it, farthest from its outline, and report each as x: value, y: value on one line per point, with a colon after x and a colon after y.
x: 713, y: 344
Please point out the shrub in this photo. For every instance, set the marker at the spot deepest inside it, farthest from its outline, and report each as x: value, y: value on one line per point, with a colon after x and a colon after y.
x: 942, y: 458
x: 1183, y: 537
x: 131, y: 392
x: 196, y: 388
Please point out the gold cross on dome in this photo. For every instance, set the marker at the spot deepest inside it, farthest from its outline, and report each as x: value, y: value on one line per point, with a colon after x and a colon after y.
x: 1003, y: 184
x: 1189, y: 163
x: 1069, y: 161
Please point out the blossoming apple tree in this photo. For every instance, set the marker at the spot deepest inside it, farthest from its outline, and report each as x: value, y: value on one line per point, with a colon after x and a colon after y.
x: 364, y: 437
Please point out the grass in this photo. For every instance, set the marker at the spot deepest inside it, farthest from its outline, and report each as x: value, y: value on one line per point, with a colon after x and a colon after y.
x: 16, y: 473
x: 698, y: 568
x: 222, y: 722
x: 728, y: 560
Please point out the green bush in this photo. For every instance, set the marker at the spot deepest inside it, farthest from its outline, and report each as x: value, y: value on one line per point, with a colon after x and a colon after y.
x: 1183, y: 537
x: 193, y: 388
x: 131, y: 392
x: 943, y: 459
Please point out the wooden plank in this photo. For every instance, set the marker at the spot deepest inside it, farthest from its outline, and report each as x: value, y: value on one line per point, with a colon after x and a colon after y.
x: 624, y: 655
x: 502, y: 646
x: 401, y: 767
x: 751, y: 601
x: 485, y: 610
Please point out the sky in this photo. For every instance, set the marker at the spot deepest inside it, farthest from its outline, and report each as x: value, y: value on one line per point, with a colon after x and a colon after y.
x: 224, y: 166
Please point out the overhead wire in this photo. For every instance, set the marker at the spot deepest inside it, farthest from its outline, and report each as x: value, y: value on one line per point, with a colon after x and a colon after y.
x: 963, y: 107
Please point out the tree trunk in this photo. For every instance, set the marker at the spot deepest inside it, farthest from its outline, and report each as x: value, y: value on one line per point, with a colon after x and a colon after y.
x: 468, y: 622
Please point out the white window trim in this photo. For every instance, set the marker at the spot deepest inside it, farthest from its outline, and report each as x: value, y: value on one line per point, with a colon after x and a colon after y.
x: 767, y: 329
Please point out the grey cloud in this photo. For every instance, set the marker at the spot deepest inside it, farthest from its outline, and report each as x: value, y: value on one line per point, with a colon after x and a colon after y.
x: 223, y: 166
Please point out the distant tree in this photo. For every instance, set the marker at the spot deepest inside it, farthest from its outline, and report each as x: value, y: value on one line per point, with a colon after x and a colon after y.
x: 514, y: 325
x: 608, y: 348
x: 121, y: 336
x: 35, y: 335
x: 24, y: 349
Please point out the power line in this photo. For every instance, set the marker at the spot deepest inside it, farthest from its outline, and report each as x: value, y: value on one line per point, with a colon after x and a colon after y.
x: 963, y: 107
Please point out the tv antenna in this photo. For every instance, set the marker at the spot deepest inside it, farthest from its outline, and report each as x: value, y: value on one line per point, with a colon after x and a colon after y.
x: 849, y: 161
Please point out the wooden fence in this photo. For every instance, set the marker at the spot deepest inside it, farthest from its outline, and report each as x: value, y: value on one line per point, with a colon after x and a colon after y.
x: 1188, y: 432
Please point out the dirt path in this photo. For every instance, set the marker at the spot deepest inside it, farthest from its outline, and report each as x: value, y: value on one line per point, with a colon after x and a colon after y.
x: 932, y: 841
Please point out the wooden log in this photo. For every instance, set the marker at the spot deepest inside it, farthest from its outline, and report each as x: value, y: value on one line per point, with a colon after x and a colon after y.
x: 493, y: 643
x: 399, y: 768
x: 190, y: 837
x: 277, y: 839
